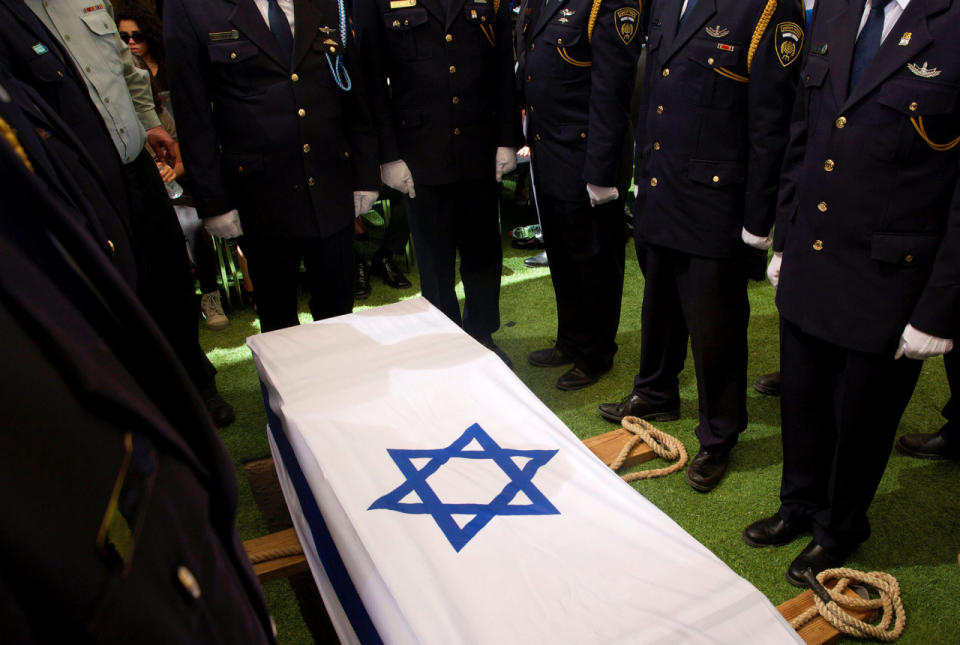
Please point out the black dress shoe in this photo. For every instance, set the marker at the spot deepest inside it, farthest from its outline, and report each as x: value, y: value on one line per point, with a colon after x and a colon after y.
x: 361, y: 284
x: 220, y: 411
x: 634, y: 405
x: 927, y: 446
x: 549, y: 357
x: 576, y: 379
x: 815, y: 558
x: 707, y: 469
x: 385, y: 268
x: 493, y: 347
x: 768, y: 384
x: 772, y: 531
x: 537, y: 261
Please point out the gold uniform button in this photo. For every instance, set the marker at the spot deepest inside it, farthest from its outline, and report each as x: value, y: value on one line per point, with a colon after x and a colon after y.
x: 659, y: 109
x: 914, y: 106
x: 559, y: 41
x: 822, y: 207
x: 311, y: 182
x: 532, y: 110
x: 453, y: 69
x: 188, y: 582
x: 840, y: 122
x: 908, y: 259
x: 710, y: 61
x: 529, y: 78
x: 817, y: 245
x: 306, y: 148
x: 294, y: 77
x: 656, y: 145
x: 113, y: 249
x: 653, y: 181
x: 666, y: 72
x: 583, y: 135
x: 537, y: 137
x: 333, y: 50
x: 233, y: 55
x: 240, y: 169
x: 346, y: 155
x: 456, y: 130
x: 455, y: 100
x: 448, y: 38
x: 716, y: 179
x: 301, y: 113
x: 533, y: 46
x: 828, y: 165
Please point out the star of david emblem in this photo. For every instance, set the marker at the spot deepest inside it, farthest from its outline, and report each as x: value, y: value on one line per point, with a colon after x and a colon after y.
x: 520, y: 466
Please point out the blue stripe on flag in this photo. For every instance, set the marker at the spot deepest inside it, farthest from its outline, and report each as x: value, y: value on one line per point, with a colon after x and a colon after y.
x: 326, y: 549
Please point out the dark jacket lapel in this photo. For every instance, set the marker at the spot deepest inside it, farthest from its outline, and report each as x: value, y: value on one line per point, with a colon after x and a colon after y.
x: 841, y: 39
x: 893, y: 56
x: 700, y: 14
x: 309, y: 18
x: 454, y: 8
x: 248, y: 19
x: 545, y: 17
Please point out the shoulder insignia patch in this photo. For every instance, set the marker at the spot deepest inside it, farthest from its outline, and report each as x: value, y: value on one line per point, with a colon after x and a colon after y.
x: 788, y: 39
x: 627, y: 22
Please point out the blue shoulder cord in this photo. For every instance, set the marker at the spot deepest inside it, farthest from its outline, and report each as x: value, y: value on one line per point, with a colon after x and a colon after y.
x: 337, y: 68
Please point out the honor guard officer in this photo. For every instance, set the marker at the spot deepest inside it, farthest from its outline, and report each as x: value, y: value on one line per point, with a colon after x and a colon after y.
x: 449, y: 128
x: 868, y: 242
x: 576, y: 67
x: 721, y: 77
x: 277, y: 137
x: 123, y: 517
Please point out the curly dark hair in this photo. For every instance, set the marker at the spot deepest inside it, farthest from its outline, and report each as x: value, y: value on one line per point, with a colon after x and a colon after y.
x: 151, y: 27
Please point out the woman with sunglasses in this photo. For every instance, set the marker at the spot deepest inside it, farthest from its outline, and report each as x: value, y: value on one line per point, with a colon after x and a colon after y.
x: 142, y: 32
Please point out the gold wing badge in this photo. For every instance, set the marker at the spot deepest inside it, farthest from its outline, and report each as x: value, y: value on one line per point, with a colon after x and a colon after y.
x: 924, y: 71
x: 718, y: 31
x: 788, y: 41
x: 627, y: 21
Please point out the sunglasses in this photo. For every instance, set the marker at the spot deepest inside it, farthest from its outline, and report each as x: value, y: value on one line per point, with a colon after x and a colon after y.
x: 135, y: 36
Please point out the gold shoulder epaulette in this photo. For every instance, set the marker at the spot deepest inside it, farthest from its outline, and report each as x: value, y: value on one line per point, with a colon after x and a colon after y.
x: 762, y: 25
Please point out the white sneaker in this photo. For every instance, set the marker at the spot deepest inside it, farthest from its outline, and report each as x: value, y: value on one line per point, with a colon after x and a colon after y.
x: 212, y: 311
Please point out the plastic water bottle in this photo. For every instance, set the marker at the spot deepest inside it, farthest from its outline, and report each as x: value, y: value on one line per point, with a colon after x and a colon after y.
x: 174, y: 190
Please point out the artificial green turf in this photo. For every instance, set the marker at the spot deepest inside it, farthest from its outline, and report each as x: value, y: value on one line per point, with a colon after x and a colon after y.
x: 916, y: 526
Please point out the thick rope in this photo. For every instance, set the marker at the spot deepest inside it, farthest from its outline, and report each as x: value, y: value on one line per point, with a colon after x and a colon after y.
x: 275, y: 554
x: 833, y: 611
x: 662, y: 444
x: 592, y: 21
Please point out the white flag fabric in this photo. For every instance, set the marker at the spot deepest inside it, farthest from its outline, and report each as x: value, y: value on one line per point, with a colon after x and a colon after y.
x: 439, y: 501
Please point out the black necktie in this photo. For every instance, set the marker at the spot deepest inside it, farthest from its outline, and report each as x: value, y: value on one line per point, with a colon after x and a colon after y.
x: 868, y: 42
x: 281, y: 30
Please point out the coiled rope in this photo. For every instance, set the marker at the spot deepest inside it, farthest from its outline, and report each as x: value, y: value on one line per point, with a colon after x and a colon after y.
x: 662, y: 444
x: 831, y: 604
x: 276, y: 554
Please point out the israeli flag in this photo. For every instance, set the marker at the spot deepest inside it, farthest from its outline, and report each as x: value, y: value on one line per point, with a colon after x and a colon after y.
x: 439, y: 501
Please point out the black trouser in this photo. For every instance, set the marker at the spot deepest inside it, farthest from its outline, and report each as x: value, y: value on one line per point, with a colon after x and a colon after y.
x: 398, y: 227
x: 461, y: 217
x: 275, y: 270
x: 839, y: 412
x: 705, y: 298
x: 165, y: 285
x: 585, y: 248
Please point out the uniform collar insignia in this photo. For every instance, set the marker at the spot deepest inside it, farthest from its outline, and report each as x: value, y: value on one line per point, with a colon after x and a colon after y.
x: 924, y: 72
x: 327, y: 30
x: 718, y: 31
x: 905, y: 38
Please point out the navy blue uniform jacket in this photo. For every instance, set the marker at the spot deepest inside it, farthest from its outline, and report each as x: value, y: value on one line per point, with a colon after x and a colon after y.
x: 451, y: 99
x: 869, y: 222
x: 714, y: 121
x: 278, y: 141
x: 96, y: 409
x: 576, y: 69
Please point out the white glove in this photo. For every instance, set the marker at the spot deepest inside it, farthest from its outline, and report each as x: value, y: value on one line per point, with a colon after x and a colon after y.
x: 506, y: 161
x: 396, y: 175
x: 226, y: 226
x: 363, y: 201
x: 918, y: 345
x: 601, y: 194
x: 773, y: 269
x: 757, y: 242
